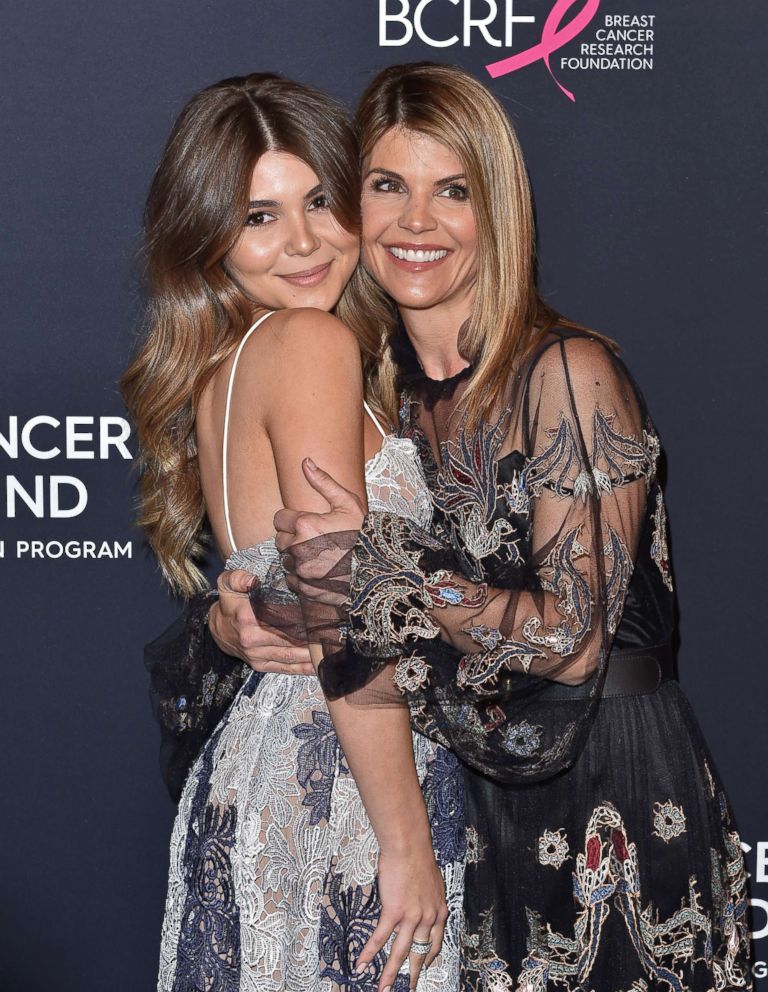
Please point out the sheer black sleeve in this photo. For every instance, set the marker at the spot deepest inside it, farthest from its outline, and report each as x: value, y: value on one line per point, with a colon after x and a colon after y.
x: 515, y: 594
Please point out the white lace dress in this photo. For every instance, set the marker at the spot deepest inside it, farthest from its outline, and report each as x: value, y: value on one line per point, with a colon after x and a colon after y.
x: 273, y: 860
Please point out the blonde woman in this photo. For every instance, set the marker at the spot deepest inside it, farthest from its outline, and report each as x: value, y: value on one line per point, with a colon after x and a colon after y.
x: 529, y: 626
x: 280, y: 878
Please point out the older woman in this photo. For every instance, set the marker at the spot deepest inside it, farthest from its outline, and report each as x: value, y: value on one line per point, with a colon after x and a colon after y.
x: 529, y: 626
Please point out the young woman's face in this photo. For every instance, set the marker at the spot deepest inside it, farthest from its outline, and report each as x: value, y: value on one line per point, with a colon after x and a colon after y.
x: 419, y: 233
x: 292, y: 251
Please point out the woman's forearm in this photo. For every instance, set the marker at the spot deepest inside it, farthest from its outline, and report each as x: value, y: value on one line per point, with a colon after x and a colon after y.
x: 378, y: 747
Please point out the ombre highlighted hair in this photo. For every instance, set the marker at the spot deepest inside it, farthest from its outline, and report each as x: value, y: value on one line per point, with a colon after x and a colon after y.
x: 196, y: 314
x: 452, y: 107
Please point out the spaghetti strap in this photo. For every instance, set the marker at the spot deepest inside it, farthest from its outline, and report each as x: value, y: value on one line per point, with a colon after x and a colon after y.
x: 225, y: 490
x: 371, y: 414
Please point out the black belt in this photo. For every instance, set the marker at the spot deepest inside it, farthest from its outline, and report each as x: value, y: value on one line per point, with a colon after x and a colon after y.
x: 631, y: 672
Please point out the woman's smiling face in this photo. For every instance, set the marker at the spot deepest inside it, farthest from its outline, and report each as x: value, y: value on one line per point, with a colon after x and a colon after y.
x: 292, y: 251
x: 419, y: 232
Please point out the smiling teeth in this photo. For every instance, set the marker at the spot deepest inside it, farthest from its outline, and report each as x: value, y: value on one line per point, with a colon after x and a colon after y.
x: 409, y: 255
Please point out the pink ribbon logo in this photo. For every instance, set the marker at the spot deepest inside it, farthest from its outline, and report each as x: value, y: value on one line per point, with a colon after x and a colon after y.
x: 553, y: 37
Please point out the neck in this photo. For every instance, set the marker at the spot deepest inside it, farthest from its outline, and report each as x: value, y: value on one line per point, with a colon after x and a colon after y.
x: 434, y: 334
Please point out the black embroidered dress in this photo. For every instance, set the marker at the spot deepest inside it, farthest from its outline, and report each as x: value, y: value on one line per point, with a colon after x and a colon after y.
x: 521, y: 629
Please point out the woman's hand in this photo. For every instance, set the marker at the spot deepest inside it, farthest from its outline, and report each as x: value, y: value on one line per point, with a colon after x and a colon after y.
x: 237, y: 631
x: 345, y: 513
x: 296, y: 527
x: 413, y: 906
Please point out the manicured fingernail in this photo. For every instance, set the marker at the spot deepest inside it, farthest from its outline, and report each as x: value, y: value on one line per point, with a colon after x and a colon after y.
x: 388, y: 989
x: 310, y: 464
x: 360, y: 967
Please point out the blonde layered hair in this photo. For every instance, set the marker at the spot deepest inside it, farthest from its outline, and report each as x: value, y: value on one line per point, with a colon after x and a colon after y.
x: 448, y: 104
x: 196, y: 314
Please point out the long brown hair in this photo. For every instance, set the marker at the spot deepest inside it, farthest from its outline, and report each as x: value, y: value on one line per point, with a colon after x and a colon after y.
x: 451, y: 106
x: 196, y: 314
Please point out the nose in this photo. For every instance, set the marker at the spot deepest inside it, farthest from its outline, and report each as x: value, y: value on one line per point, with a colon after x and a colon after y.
x: 417, y: 215
x: 302, y: 240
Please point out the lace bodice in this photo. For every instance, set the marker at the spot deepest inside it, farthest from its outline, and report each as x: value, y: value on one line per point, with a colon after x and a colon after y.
x: 394, y: 482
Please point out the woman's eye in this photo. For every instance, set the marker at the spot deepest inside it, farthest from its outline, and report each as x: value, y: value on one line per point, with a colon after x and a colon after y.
x: 258, y: 218
x: 386, y: 186
x: 320, y: 202
x: 455, y: 192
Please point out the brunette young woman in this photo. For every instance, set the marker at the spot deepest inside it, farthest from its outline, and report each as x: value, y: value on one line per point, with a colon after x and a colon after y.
x: 528, y: 627
x: 280, y: 878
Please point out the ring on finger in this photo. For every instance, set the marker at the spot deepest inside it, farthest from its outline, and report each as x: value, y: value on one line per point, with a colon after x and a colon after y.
x: 422, y: 947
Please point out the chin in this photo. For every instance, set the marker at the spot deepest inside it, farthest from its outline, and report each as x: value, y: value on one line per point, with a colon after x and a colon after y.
x: 415, y: 299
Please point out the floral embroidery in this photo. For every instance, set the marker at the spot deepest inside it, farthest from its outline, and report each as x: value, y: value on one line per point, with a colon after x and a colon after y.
x: 516, y: 495
x: 621, y: 458
x: 522, y: 739
x: 411, y: 673
x: 348, y: 918
x: 618, y: 579
x: 443, y: 789
x: 475, y: 847
x: 560, y: 576
x: 668, y: 821
x: 557, y: 466
x: 607, y: 875
x: 480, y: 671
x: 553, y: 848
x: 659, y: 544
x: 466, y: 492
x: 388, y: 598
x: 209, y: 941
x: 487, y: 637
x: 653, y: 452
x: 616, y: 460
x: 729, y: 884
x: 316, y: 762
x: 482, y: 968
x: 446, y: 591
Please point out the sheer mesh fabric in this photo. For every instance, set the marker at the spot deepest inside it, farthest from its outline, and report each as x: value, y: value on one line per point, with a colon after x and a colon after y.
x: 518, y: 585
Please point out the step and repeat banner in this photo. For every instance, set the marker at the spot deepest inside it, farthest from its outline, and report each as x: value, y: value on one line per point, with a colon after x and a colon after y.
x: 643, y: 125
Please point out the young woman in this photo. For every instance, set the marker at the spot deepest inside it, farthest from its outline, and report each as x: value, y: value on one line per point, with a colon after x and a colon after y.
x: 529, y: 626
x: 278, y: 880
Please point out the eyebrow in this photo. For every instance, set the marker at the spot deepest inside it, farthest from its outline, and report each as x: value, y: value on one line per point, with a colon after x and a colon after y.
x: 396, y: 175
x: 263, y: 204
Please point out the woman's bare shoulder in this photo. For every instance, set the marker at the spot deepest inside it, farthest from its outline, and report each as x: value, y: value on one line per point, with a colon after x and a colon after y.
x: 311, y: 332
x: 296, y: 347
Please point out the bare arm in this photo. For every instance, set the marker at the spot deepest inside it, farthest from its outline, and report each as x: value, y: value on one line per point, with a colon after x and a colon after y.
x: 311, y: 400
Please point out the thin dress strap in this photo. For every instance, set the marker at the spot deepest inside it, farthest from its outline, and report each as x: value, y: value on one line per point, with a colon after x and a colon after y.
x: 225, y: 441
x: 371, y: 414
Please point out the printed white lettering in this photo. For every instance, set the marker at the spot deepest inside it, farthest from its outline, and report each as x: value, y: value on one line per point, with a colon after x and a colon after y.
x: 15, y: 489
x: 57, y: 481
x: 763, y: 905
x: 477, y: 17
x: 480, y: 22
x: 26, y: 437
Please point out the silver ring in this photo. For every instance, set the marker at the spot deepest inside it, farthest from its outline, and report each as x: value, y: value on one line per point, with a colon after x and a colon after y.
x: 421, y: 947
